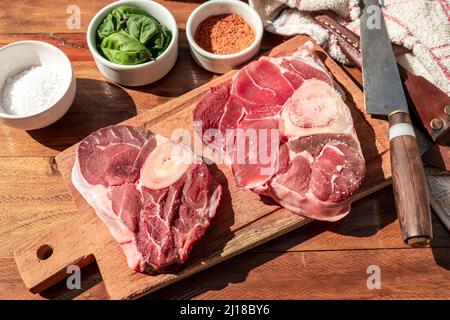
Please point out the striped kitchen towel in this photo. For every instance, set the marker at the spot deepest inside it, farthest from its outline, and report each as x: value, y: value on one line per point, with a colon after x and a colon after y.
x: 423, y: 26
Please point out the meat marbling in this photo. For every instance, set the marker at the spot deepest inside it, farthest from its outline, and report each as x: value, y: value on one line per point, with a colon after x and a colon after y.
x: 317, y: 162
x: 155, y: 206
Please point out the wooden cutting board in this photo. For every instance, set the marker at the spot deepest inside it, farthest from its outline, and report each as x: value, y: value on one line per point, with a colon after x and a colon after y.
x: 243, y: 221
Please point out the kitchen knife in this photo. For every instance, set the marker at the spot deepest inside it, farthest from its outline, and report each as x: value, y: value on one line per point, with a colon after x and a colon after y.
x: 384, y: 96
x: 428, y: 103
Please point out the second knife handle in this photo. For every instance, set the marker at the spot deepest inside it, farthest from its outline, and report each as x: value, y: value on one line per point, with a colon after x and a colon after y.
x: 409, y: 182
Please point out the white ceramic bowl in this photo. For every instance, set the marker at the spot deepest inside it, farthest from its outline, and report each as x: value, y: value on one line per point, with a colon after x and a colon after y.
x: 18, y: 56
x: 223, y: 63
x: 144, y: 73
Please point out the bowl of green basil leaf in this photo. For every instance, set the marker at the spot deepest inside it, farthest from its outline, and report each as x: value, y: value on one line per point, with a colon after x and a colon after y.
x: 133, y: 42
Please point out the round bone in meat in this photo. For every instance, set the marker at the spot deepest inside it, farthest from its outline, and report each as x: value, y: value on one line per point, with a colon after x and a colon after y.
x: 315, y: 108
x: 167, y: 163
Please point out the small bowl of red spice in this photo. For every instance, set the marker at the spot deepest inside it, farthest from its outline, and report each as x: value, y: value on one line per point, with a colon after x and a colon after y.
x: 223, y: 34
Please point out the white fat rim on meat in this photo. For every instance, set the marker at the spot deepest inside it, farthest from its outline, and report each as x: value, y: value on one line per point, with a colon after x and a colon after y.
x: 309, y: 60
x: 257, y: 85
x: 97, y: 197
x: 214, y: 202
x: 307, y: 204
x: 304, y: 154
x: 278, y: 60
x: 332, y: 145
x: 279, y: 192
x: 310, y: 203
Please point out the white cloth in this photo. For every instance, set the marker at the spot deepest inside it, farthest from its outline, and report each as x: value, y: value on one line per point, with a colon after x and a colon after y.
x: 423, y: 26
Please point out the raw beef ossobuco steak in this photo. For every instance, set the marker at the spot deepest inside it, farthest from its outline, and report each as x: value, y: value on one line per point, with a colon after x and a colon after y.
x: 293, y: 105
x: 156, y: 197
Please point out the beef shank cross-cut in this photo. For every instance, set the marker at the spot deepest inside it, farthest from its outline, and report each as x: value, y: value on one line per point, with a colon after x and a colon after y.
x: 283, y: 126
x: 155, y: 196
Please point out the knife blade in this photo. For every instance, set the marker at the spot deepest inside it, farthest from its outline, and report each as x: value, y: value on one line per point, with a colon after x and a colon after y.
x: 384, y: 95
x: 380, y: 73
x: 426, y: 101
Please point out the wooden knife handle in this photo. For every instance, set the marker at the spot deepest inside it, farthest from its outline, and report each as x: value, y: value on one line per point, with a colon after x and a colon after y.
x: 409, y: 181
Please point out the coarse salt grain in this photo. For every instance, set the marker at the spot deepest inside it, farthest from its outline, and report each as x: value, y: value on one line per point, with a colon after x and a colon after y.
x: 31, y: 91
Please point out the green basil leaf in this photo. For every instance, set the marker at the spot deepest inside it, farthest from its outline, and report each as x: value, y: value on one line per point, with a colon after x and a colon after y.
x: 122, y: 13
x: 168, y: 37
x: 122, y: 49
x: 108, y: 26
x: 162, y: 41
x: 129, y: 35
x: 142, y: 28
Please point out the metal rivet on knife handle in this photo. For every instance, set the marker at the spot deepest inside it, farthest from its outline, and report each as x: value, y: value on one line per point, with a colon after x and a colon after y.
x: 447, y: 109
x: 418, y: 241
x: 436, y: 124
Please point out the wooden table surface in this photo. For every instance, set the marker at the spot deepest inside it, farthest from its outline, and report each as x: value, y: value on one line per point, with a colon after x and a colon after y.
x: 318, y: 261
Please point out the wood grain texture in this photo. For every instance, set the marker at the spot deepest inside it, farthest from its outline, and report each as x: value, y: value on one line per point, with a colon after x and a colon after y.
x: 34, y: 199
x: 410, y: 185
x: 250, y: 220
x: 98, y: 102
x: 43, y: 17
x: 370, y: 228
x: 405, y: 274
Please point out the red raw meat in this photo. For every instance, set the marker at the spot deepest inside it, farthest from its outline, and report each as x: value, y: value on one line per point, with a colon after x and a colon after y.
x: 319, y: 164
x: 155, y: 216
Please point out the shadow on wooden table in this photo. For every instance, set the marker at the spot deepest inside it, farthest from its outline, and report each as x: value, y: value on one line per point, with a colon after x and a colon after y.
x: 97, y: 104
x: 212, y: 243
x: 173, y: 85
x: 439, y: 248
x: 90, y: 278
x: 442, y: 257
x: 219, y: 232
x: 365, y: 220
x: 368, y: 219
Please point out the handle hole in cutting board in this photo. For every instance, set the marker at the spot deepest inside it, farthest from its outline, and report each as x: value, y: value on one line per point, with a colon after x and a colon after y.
x: 44, y: 252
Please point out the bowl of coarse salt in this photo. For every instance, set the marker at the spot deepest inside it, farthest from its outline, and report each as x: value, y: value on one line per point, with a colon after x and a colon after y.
x: 37, y: 84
